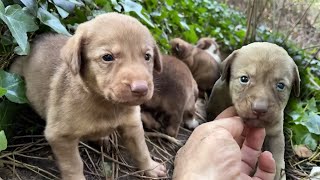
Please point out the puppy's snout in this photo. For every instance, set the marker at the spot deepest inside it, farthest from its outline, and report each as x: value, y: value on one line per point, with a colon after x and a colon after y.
x: 139, y: 87
x: 260, y: 107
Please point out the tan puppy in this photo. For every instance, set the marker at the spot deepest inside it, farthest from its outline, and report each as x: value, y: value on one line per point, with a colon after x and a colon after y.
x: 95, y: 86
x: 174, y: 97
x: 257, y: 79
x: 210, y: 46
x: 204, y: 68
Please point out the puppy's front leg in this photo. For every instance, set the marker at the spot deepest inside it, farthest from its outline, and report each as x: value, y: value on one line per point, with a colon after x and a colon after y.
x: 276, y: 145
x: 67, y: 154
x: 133, y: 136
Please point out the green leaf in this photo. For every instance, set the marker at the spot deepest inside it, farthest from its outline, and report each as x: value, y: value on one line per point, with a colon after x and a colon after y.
x: 130, y: 6
x: 312, y: 123
x: 78, y: 3
x: 117, y: 7
x: 62, y: 12
x: 19, y: 23
x: 303, y: 136
x: 14, y: 86
x: 52, y: 21
x: 2, y: 91
x: 3, y: 141
x: 312, y: 106
x: 31, y: 5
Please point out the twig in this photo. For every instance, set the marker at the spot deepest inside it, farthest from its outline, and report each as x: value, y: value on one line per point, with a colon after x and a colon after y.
x: 310, y: 47
x: 153, y: 144
x: 104, y: 155
x: 280, y: 16
x: 249, y: 17
x: 315, y: 19
x: 15, y: 172
x: 20, y: 150
x: 17, y: 163
x: 32, y: 157
x: 304, y: 14
x: 95, y: 169
x: 164, y: 136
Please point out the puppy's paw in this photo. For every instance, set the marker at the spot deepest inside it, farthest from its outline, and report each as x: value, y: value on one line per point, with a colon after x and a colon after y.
x: 156, y: 170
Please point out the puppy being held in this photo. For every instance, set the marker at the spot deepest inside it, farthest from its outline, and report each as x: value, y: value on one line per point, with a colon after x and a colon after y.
x: 174, y: 98
x: 257, y: 79
x: 204, y: 68
x: 210, y: 46
x: 95, y: 86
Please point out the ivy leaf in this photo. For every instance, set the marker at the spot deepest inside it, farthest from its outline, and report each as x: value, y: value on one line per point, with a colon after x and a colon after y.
x: 130, y: 6
x: 117, y: 7
x: 65, y: 5
x: 62, y: 12
x: 303, y: 136
x: 52, y: 21
x: 14, y: 86
x: 19, y: 23
x: 3, y: 141
x: 31, y: 6
x: 2, y: 91
x: 312, y: 123
x: 312, y: 106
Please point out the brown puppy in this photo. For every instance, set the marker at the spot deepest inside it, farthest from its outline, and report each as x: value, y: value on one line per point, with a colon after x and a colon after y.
x: 95, y: 86
x: 257, y: 79
x: 204, y: 68
x: 210, y: 46
x: 174, y: 97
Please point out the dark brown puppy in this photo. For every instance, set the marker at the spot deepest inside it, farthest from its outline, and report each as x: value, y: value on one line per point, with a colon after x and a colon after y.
x: 257, y: 79
x: 91, y: 84
x: 204, y: 68
x: 174, y: 97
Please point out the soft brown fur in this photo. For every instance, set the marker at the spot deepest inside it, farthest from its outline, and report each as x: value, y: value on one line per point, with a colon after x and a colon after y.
x: 81, y: 96
x: 204, y: 68
x: 259, y: 102
x: 174, y: 97
x: 210, y: 46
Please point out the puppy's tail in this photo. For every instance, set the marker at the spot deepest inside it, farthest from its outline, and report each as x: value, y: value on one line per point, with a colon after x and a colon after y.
x: 16, y: 66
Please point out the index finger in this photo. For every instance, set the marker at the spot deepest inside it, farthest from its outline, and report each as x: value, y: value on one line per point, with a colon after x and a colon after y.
x: 229, y: 112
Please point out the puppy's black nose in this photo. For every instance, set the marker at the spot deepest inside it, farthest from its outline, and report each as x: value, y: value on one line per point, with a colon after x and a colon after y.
x: 260, y: 106
x: 139, y: 88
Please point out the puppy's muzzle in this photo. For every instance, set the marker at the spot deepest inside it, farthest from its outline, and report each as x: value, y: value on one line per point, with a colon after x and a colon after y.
x: 139, y: 88
x: 259, y: 107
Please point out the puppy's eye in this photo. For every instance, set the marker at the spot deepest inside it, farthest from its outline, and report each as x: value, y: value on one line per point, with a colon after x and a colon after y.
x: 244, y: 79
x: 280, y: 86
x: 108, y: 57
x: 147, y: 57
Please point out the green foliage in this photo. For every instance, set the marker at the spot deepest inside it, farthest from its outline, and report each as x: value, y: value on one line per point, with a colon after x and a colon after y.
x: 12, y: 86
x: 166, y: 19
x: 3, y: 141
x: 19, y: 23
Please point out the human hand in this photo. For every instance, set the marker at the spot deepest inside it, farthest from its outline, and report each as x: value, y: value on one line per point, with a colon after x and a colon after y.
x: 212, y: 152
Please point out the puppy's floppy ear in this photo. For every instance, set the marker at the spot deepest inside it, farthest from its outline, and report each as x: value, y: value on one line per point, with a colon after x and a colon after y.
x: 226, y: 65
x: 296, y: 81
x: 204, y: 43
x: 178, y: 48
x: 71, y: 51
x: 157, y: 59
